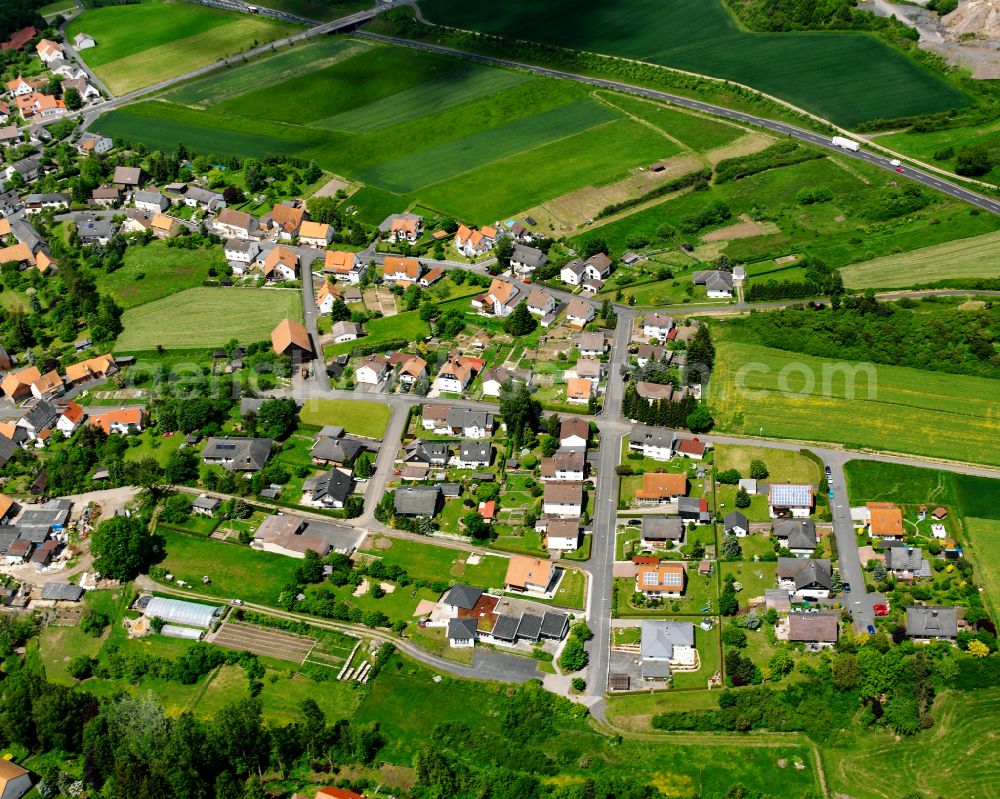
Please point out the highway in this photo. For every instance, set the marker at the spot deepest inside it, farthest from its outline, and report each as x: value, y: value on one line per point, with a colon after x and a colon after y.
x: 783, y: 128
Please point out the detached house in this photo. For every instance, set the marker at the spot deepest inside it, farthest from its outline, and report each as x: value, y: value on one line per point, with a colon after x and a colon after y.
x: 659, y: 487
x: 151, y: 202
x: 122, y: 422
x: 372, y: 370
x: 930, y: 623
x: 328, y: 490
x: 565, y: 466
x: 907, y: 563
x: 661, y: 531
x: 406, y: 227
x: 240, y: 253
x: 884, y: 520
x: 798, y: 535
x: 346, y: 266
x: 529, y: 575
x: 653, y: 442
x: 658, y: 580
x: 474, y: 455
x: 128, y: 178
x: 401, y: 270
x: 237, y: 454
x: 17, y: 385
x: 281, y: 264
x: 473, y: 243
x: 525, y: 260
x: 499, y: 300
x: 412, y: 370
x: 230, y: 223
x: 284, y: 221
x: 99, y: 368
x: 790, y: 499
x: 540, y: 302
x: 805, y: 577
x: 495, y: 378
x: 469, y: 423
x: 291, y: 338
x: 563, y: 499
x: 455, y: 376
x: 315, y: 234
x: 574, y: 432
x: 70, y: 418
x: 718, y: 284
x: 657, y: 326
x: 49, y: 50
x: 579, y: 313
x: 664, y: 644
x: 562, y: 535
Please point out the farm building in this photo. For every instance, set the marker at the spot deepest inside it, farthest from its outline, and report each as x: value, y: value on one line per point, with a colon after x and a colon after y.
x: 291, y: 338
x: 179, y: 611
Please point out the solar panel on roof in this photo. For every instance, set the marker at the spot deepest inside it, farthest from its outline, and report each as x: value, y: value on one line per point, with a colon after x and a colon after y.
x: 650, y: 578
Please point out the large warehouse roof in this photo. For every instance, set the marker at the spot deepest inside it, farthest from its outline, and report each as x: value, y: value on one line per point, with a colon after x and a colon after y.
x: 178, y: 611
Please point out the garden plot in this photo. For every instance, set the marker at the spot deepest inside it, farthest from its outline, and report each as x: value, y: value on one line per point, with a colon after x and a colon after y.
x: 262, y: 641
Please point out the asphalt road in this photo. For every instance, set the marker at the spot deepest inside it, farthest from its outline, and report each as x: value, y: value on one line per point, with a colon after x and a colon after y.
x: 925, y: 178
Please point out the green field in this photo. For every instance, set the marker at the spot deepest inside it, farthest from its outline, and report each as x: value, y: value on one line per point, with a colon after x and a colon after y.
x: 432, y: 128
x: 205, y: 317
x: 783, y: 466
x: 975, y: 257
x: 356, y: 416
x: 925, y: 145
x: 876, y: 481
x: 827, y: 73
x: 983, y: 537
x: 769, y: 392
x: 165, y: 270
x: 59, y: 7
x: 431, y: 563
x: 881, y: 766
x: 142, y: 44
x: 321, y: 10
x: 697, y: 132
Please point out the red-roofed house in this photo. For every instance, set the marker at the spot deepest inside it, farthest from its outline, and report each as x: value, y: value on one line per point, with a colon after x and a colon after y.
x: 690, y: 448
x: 20, y: 39
x: 121, y: 421
x: 70, y: 419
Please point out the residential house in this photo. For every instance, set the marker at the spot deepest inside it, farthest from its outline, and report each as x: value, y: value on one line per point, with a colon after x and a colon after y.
x: 18, y: 384
x: 494, y: 379
x: 29, y: 169
x: 718, y: 283
x: 164, y: 227
x: 931, y: 623
x: 499, y: 300
x: 136, y: 221
x: 525, y: 260
x: 579, y: 313
x: 563, y: 499
x: 406, y: 228
x: 456, y: 374
x: 281, y: 264
x: 49, y: 51
x: 65, y: 69
x: 661, y: 531
x: 907, y: 563
x: 35, y: 107
x: 659, y: 580
x: 529, y: 575
x: 694, y: 509
x: 4, y: 113
x: 412, y: 370
x: 797, y: 535
x: 735, y: 523
x: 291, y: 338
x: 328, y: 490
x: 790, y: 499
x: 88, y: 93
x: 338, y: 451
x: 805, y: 577
x: 401, y: 270
x: 21, y: 86
x: 36, y: 203
x: 372, y: 370
x: 591, y: 345
x: 462, y: 632
x: 151, y: 202
x: 41, y: 417
x: 49, y: 384
x: 240, y: 253
x: 654, y: 392
x: 128, y: 178
x: 417, y: 500
x: 70, y: 418
x: 664, y: 644
x: 579, y: 390
x: 434, y: 416
x: 567, y: 465
x: 346, y: 331
x: 122, y: 422
x: 657, y: 326
x: 17, y: 253
x: 429, y: 453
x: 821, y: 629
x: 205, y: 505
x: 885, y: 521
x: 105, y: 196
x: 346, y: 266
x: 660, y: 487
x: 97, y: 368
x: 328, y: 294
x: 83, y: 41
x: 94, y: 144
x: 574, y: 432
x: 573, y: 272
x: 93, y: 230
x: 237, y: 454
x: 650, y: 352
x: 597, y: 267
x: 470, y: 423
x: 690, y: 447
x: 472, y: 243
x: 562, y: 535
x: 284, y: 220
x: 233, y: 224
x: 540, y: 302
x: 474, y: 455
x: 15, y: 781
x: 653, y: 442
x: 10, y: 135
x: 315, y: 234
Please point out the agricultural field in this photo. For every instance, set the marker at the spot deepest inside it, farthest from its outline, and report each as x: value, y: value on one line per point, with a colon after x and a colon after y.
x: 205, y: 317
x: 141, y: 44
x: 783, y: 395
x: 320, y: 10
x: 156, y: 271
x: 975, y: 257
x: 925, y: 146
x: 827, y: 73
x: 362, y: 418
x: 413, y: 126
x: 880, y: 765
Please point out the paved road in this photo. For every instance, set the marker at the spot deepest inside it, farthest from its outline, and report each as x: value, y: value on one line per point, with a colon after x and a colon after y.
x: 858, y: 601
x: 782, y: 128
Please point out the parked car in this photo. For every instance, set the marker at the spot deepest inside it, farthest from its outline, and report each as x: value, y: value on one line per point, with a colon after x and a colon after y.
x: 871, y: 629
x: 634, y: 522
x: 881, y: 610
x: 847, y: 588
x: 830, y: 492
x: 236, y: 602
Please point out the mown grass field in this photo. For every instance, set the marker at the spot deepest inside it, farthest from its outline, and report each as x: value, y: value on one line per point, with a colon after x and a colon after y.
x: 782, y: 465
x: 430, y: 562
x: 426, y: 127
x: 881, y: 766
x: 205, y: 317
x: 356, y: 416
x: 983, y: 538
x: 777, y: 394
x: 828, y: 73
x: 974, y: 257
x: 701, y: 134
x: 165, y: 270
x: 138, y: 45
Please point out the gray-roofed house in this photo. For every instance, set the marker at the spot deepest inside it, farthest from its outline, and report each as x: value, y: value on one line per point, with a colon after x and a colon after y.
x: 554, y: 625
x: 474, y: 454
x: 40, y: 417
x: 525, y: 260
x: 470, y: 423
x: 813, y: 628
x: 735, y: 523
x: 127, y: 177
x: 798, y: 535
x: 460, y: 597
x: 907, y: 563
x: 653, y: 442
x: 94, y: 230
x: 462, y: 633
x: 662, y: 531
x: 205, y: 505
x: 152, y: 202
x: 717, y: 282
x: 28, y: 168
x: 335, y: 451
x: 665, y: 644
x: 432, y: 453
x: 416, y: 500
x: 329, y: 490
x: 237, y: 454
x: 693, y: 509
x: 805, y: 577
x: 931, y: 623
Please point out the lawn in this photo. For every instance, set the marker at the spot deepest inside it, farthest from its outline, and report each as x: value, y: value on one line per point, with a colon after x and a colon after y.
x: 827, y: 73
x: 407, y: 325
x: 156, y: 271
x: 141, y: 44
x: 57, y: 644
x: 983, y: 540
x: 59, y: 7
x: 230, y: 566
x: 368, y: 419
x: 882, y: 766
x: 432, y: 563
x: 762, y: 391
x: 783, y: 466
x: 970, y: 258
x: 153, y: 446
x: 700, y: 593
x: 204, y: 317
x: 321, y: 10
x: 754, y: 577
x: 408, y: 705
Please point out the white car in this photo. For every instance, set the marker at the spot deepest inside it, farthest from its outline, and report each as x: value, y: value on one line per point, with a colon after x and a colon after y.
x: 894, y: 162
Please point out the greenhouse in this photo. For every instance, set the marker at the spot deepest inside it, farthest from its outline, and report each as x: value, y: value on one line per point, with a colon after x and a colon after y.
x: 177, y: 611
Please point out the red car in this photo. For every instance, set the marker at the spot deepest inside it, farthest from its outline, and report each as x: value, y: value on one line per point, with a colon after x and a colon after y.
x: 881, y: 610
x: 899, y: 169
